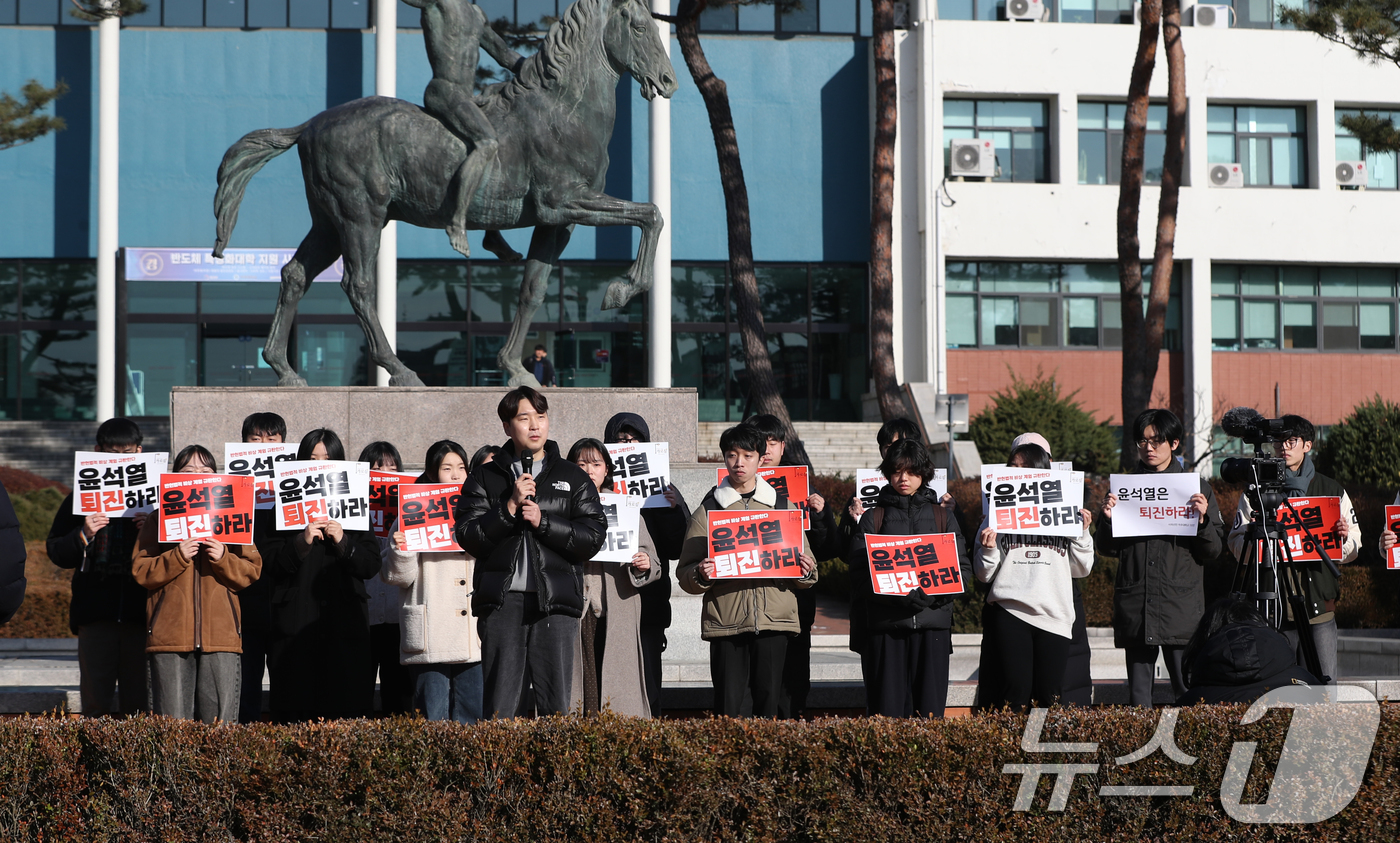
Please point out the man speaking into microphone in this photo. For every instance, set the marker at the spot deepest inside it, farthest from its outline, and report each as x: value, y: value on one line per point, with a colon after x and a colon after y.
x: 531, y: 518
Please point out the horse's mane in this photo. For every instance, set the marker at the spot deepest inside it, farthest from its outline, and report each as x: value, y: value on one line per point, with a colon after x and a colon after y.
x: 570, y: 38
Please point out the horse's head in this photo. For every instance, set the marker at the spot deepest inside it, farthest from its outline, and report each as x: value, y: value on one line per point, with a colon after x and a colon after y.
x: 633, y: 45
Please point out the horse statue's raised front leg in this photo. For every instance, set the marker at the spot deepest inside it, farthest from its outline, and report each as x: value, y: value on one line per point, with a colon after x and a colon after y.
x: 596, y: 208
x: 546, y: 244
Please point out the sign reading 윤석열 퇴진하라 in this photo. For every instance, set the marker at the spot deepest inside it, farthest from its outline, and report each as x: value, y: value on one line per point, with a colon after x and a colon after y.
x: 197, y: 264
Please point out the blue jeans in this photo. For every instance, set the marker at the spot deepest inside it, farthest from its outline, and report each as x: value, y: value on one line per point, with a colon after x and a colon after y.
x: 448, y: 691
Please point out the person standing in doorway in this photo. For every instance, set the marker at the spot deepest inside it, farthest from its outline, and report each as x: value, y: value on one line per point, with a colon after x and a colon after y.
x: 540, y: 366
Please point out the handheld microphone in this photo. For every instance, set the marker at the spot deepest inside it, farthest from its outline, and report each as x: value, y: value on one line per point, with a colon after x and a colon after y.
x: 527, y: 462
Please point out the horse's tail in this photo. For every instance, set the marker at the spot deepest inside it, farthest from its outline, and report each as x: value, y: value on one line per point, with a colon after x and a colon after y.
x: 240, y: 164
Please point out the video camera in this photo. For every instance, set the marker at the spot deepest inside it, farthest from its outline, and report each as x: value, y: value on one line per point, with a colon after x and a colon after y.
x: 1250, y: 425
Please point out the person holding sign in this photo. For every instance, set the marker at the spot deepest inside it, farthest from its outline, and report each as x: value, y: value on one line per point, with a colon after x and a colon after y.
x: 666, y: 525
x: 1159, y: 595
x: 319, y: 663
x: 531, y: 519
x: 439, y: 644
x: 909, y: 637
x: 747, y: 621
x: 1303, y: 481
x: 1028, y: 623
x: 395, y: 683
x: 609, y: 667
x: 255, y: 601
x: 108, y: 610
x: 824, y: 539
x: 194, y: 628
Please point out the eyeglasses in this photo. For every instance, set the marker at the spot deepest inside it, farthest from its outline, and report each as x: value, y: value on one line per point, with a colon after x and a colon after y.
x: 1293, y: 442
x: 627, y: 437
x: 1155, y: 443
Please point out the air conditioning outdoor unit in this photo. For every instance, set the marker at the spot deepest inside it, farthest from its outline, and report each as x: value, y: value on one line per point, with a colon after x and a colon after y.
x: 1025, y: 10
x: 1213, y: 16
x: 1351, y: 173
x: 1226, y: 175
x: 975, y: 157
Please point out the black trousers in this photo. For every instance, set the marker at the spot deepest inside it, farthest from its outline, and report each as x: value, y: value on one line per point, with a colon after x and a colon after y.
x: 752, y: 661
x: 1031, y: 661
x: 653, y: 645
x: 906, y: 672
x: 520, y: 644
x: 257, y: 639
x: 396, y: 682
x: 1142, y: 671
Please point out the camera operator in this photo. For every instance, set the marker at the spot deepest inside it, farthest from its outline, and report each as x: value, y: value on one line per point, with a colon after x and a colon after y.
x: 1159, y: 595
x: 1303, y: 481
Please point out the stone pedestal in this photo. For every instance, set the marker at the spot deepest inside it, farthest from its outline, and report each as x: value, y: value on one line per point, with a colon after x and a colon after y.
x: 415, y: 417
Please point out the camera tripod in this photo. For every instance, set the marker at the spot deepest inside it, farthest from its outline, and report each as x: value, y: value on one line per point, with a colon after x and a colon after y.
x: 1269, y: 576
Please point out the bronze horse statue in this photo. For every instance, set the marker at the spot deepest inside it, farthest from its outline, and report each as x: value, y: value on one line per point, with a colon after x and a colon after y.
x: 378, y: 159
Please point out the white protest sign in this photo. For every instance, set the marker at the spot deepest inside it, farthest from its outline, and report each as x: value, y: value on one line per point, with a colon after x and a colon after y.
x: 643, y: 469
x: 869, y: 482
x: 117, y: 485
x: 258, y: 460
x: 624, y: 513
x: 317, y: 490
x: 1036, y: 501
x: 1156, y: 504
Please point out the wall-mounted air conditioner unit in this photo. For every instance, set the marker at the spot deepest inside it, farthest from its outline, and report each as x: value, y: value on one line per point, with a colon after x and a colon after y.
x: 1212, y: 16
x: 973, y: 158
x: 1226, y: 175
x: 1025, y: 10
x: 1351, y: 173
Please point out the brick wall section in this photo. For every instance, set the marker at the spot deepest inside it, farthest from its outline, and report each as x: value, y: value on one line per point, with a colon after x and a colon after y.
x: 1096, y: 374
x: 1320, y: 387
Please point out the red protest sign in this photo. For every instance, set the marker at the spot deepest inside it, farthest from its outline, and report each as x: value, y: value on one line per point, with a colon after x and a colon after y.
x: 900, y: 564
x: 1319, y: 515
x: 425, y: 516
x: 384, y: 499
x: 1392, y: 523
x: 207, y: 506
x: 790, y: 480
x: 755, y: 544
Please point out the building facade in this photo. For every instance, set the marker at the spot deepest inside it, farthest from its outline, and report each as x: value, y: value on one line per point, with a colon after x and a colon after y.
x: 1284, y: 297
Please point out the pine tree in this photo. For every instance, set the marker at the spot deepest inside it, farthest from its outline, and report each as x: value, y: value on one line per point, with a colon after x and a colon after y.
x: 21, y: 122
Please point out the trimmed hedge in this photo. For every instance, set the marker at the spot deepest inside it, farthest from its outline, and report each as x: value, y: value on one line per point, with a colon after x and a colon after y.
x: 608, y: 778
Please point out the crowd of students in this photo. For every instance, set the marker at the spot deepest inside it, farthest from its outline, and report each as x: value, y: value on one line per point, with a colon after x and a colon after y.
x: 524, y: 619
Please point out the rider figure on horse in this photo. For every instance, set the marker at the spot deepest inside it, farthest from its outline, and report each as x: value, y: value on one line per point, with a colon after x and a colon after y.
x: 454, y: 31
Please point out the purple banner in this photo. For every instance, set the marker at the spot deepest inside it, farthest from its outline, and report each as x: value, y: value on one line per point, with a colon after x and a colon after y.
x: 200, y: 265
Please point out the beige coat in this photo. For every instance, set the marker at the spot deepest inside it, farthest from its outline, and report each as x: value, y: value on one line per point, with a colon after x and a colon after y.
x: 733, y: 607
x: 610, y: 591
x: 436, y: 625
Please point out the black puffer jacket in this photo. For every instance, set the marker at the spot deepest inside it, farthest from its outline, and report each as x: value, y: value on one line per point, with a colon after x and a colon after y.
x: 1240, y: 664
x: 103, y: 588
x: 919, y: 513
x: 572, y: 529
x: 1159, y: 596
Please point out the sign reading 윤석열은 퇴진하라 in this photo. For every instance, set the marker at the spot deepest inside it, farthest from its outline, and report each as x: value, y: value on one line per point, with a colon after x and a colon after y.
x: 624, y: 514
x: 259, y: 461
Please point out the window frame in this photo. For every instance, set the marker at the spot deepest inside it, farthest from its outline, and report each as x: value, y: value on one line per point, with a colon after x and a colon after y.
x: 975, y: 131
x: 1104, y: 301
x: 1241, y: 137
x: 1318, y: 300
x: 1367, y: 155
